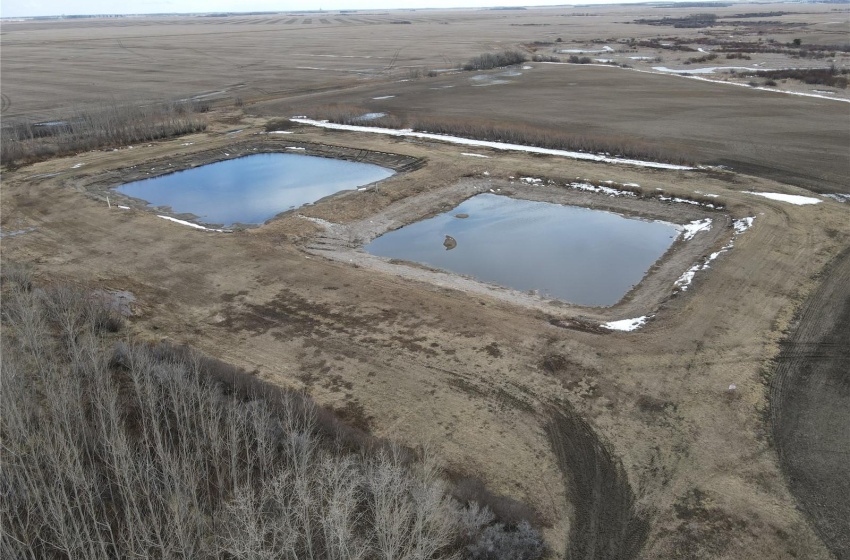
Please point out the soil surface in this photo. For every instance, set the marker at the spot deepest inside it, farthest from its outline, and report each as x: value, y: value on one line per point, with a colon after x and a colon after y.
x: 810, y: 407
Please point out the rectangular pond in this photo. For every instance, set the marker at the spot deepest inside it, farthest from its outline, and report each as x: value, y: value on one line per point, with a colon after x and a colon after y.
x: 252, y: 189
x: 583, y: 256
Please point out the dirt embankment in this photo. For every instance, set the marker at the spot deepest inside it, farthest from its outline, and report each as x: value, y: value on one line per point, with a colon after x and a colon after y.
x: 810, y: 408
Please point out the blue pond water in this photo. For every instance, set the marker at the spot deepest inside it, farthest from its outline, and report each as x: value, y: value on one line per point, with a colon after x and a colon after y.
x: 252, y: 189
x: 583, y: 256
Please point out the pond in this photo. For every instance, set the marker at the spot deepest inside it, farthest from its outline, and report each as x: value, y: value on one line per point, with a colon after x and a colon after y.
x: 582, y: 256
x: 252, y: 189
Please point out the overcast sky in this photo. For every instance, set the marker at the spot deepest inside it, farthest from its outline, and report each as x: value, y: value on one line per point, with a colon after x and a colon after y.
x: 21, y: 8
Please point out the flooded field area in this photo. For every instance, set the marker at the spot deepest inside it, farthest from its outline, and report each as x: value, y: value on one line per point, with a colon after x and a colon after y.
x: 254, y: 188
x: 582, y: 256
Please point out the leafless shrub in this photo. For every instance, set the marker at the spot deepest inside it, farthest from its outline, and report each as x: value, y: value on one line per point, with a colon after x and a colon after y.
x: 16, y: 276
x: 545, y: 58
x: 134, y: 450
x: 701, y: 59
x: 117, y: 124
x: 279, y: 124
x: 487, y: 61
x: 831, y: 76
x: 498, y: 542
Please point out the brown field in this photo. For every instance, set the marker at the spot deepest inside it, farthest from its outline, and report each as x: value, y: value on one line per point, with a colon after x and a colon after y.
x: 628, y: 445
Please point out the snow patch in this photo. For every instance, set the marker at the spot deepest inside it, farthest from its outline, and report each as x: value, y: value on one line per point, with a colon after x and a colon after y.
x: 280, y: 132
x: 473, y: 155
x: 743, y: 224
x: 384, y: 97
x: 626, y: 324
x: 789, y: 198
x: 77, y: 166
x: 190, y: 224
x: 371, y: 116
x: 294, y: 148
x: 696, y: 226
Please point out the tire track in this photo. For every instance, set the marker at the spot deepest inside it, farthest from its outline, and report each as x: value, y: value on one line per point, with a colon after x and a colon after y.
x: 5, y: 102
x: 606, y: 525
x: 810, y: 408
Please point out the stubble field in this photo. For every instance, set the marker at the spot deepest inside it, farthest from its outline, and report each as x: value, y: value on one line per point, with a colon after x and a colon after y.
x: 626, y: 444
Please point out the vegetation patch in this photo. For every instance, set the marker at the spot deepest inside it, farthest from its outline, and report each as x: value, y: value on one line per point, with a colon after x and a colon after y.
x: 831, y: 76
x: 119, y: 124
x: 488, y: 61
x: 689, y: 21
x: 114, y: 448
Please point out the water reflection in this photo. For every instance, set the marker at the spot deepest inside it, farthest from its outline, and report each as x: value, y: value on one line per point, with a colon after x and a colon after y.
x: 252, y: 189
x: 583, y: 256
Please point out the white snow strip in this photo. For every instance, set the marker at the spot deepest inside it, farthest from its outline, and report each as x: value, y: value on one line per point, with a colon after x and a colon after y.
x: 124, y: 207
x: 642, y: 57
x: 708, y: 70
x: 687, y: 277
x: 77, y: 166
x: 384, y: 97
x: 473, y: 155
x: 280, y: 132
x: 696, y: 226
x: 789, y: 198
x: 626, y: 324
x: 600, y: 189
x: 527, y: 67
x: 190, y: 224
x: 682, y: 74
x: 487, y: 144
x: 294, y: 148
